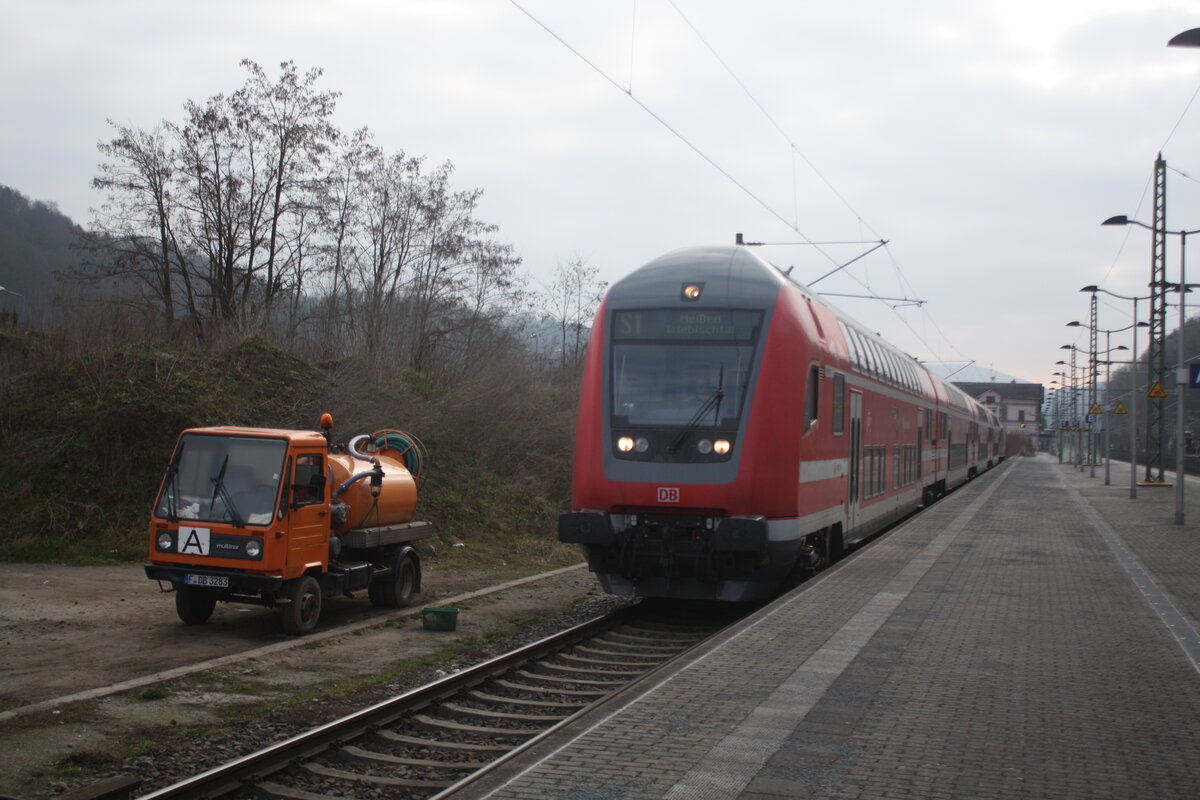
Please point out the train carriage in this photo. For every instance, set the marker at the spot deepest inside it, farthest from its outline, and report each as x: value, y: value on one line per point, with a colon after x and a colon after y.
x: 735, y: 433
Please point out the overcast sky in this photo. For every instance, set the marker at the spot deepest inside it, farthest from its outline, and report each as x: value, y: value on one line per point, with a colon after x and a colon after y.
x: 985, y: 141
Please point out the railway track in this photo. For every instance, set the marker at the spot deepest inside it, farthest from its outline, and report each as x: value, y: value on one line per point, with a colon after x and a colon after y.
x: 421, y: 743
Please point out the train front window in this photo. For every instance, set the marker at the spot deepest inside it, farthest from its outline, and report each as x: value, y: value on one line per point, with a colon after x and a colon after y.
x: 680, y: 369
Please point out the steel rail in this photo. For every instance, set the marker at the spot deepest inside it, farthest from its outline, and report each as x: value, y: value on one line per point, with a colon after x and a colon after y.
x: 262, y: 763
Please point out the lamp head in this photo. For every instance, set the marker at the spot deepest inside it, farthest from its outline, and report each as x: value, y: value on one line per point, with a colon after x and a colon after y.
x: 1189, y: 38
x: 1091, y: 288
x: 1075, y: 324
x: 1120, y: 219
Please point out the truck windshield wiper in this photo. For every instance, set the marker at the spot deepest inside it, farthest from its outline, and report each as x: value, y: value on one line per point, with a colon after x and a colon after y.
x: 711, y: 403
x: 220, y: 490
x: 169, y: 487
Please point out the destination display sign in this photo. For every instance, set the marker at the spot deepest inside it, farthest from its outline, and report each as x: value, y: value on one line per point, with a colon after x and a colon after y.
x: 692, y: 323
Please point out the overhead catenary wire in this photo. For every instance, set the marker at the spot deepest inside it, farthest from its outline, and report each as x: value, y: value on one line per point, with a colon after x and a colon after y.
x: 628, y: 92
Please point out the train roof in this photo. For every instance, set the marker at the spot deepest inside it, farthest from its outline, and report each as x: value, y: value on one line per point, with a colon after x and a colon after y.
x: 729, y: 272
x: 737, y: 273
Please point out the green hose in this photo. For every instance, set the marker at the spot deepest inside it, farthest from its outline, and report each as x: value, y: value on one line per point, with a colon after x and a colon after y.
x: 408, y: 446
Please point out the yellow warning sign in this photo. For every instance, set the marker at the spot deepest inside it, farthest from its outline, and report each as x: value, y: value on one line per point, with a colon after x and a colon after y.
x: 1095, y: 409
x: 1120, y: 408
x: 1157, y: 391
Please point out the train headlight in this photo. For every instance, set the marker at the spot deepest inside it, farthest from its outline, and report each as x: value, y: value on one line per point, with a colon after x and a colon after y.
x: 721, y: 446
x: 625, y: 444
x: 642, y: 444
x: 704, y: 446
x: 254, y: 548
x: 166, y: 540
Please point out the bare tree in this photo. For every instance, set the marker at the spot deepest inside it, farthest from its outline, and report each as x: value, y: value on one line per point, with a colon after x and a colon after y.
x: 574, y: 296
x: 292, y: 119
x: 135, y: 236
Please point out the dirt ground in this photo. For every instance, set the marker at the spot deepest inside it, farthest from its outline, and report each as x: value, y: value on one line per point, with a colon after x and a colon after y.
x: 94, y: 660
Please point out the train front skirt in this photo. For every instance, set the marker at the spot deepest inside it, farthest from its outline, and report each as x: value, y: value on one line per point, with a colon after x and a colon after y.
x: 682, y: 556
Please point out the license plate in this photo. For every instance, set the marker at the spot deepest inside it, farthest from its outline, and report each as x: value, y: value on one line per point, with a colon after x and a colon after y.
x: 218, y: 581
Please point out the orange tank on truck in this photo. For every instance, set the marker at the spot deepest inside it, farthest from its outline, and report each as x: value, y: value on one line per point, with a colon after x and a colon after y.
x: 285, y: 518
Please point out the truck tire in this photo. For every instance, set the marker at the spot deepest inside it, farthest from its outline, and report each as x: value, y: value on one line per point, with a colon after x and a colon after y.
x: 300, y: 615
x: 193, y: 605
x: 397, y: 591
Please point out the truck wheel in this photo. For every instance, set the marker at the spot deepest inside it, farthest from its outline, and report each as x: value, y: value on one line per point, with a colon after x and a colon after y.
x: 397, y: 591
x: 301, y: 614
x: 193, y: 605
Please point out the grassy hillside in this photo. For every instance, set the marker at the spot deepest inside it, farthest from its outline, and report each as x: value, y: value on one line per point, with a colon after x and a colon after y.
x: 83, y: 441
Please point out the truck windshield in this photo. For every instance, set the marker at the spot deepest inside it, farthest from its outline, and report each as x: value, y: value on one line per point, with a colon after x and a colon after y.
x: 676, y: 369
x: 223, y: 479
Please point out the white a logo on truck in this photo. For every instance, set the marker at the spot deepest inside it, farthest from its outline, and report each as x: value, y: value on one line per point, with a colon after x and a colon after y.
x: 193, y: 541
x: 668, y: 494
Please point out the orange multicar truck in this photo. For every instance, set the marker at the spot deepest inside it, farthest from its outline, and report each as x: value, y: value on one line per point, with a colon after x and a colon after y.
x: 285, y: 518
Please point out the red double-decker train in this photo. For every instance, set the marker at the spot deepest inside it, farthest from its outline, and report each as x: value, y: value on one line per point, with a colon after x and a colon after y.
x: 736, y: 434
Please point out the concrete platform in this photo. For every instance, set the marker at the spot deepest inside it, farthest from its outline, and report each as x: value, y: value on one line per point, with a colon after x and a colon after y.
x: 1033, y: 635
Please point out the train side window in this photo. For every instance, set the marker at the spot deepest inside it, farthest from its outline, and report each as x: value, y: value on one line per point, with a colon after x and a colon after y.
x: 839, y: 405
x: 811, y: 395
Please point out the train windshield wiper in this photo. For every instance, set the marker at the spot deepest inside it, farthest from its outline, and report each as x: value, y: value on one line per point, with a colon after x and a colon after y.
x: 711, y: 403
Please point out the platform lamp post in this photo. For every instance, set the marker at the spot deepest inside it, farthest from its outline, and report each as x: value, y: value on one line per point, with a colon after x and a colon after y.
x: 1055, y: 414
x: 1068, y: 401
x: 1181, y: 375
x: 1107, y: 378
x: 1075, y: 408
x: 1097, y: 361
x: 1089, y: 380
x: 1060, y: 435
x: 1133, y: 393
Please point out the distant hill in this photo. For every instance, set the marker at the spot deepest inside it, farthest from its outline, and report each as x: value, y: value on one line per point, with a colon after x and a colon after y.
x: 960, y: 373
x: 35, y: 243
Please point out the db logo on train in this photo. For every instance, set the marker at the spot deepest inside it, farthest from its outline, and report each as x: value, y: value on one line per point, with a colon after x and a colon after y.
x: 668, y: 494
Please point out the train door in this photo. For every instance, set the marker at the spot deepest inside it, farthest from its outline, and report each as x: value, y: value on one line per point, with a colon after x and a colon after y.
x: 855, y: 467
x: 920, y: 448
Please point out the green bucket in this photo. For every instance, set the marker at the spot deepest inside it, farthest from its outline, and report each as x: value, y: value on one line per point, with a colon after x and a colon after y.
x: 439, y: 619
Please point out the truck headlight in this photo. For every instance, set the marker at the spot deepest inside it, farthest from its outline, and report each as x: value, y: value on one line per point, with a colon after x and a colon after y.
x: 254, y: 548
x: 166, y: 540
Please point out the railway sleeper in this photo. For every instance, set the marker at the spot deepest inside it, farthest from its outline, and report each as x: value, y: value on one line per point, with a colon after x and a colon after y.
x: 606, y: 658
x: 621, y: 648
x: 468, y: 747
x: 353, y: 753
x: 646, y: 642
x: 659, y: 634
x: 486, y: 697
x: 273, y: 789
x: 589, y: 671
x: 678, y: 630
x: 488, y: 714
x: 571, y: 680
x: 378, y: 780
x: 540, y: 688
x: 482, y: 730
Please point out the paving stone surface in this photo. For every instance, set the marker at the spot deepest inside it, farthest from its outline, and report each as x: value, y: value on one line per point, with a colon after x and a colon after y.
x: 994, y: 647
